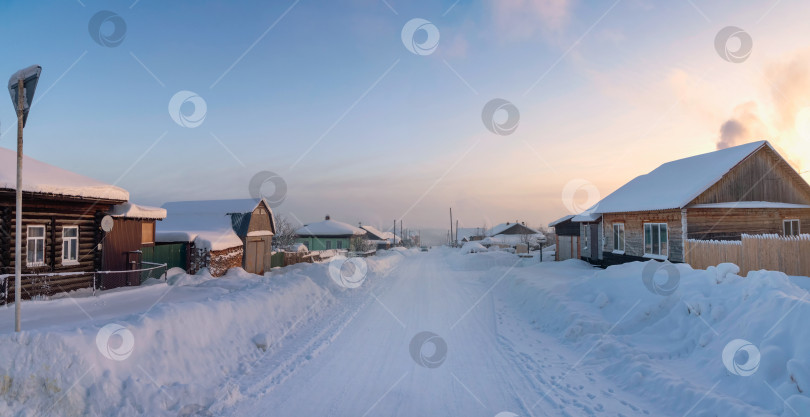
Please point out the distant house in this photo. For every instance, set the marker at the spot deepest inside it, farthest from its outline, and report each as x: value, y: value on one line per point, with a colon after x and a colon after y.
x: 511, y: 234
x: 747, y: 189
x: 380, y: 239
x: 566, y: 238
x: 217, y: 234
x: 61, y: 231
x: 470, y: 234
x: 130, y: 242
x: 328, y: 234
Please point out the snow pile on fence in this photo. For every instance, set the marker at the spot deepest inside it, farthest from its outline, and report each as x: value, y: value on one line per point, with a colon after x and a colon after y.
x: 188, y: 337
x: 670, y: 348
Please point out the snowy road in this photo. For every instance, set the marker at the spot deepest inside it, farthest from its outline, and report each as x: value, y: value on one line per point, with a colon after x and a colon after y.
x: 355, y: 361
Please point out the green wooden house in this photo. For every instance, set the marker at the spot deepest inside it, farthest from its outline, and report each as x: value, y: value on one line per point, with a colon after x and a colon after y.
x: 328, y: 234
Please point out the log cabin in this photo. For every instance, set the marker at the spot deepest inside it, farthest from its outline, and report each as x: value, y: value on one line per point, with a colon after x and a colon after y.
x: 746, y: 189
x: 219, y: 235
x: 61, y: 221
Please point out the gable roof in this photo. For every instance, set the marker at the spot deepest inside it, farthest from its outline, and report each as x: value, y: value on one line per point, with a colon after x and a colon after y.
x: 207, y: 223
x: 377, y: 234
x: 42, y: 178
x: 676, y: 183
x: 496, y: 230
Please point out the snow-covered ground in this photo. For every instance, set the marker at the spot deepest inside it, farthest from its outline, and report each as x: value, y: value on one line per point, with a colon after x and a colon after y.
x: 441, y: 333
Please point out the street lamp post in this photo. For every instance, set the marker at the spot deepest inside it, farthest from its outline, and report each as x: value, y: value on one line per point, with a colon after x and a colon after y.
x: 21, y: 86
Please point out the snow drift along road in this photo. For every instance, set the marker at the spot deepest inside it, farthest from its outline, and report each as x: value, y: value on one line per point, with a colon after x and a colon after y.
x: 499, y: 334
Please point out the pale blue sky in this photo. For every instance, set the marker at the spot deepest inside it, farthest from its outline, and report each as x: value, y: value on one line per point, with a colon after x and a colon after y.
x: 397, y: 133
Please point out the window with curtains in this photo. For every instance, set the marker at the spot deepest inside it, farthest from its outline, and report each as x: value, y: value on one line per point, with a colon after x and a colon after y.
x: 35, y: 246
x: 70, y: 244
x: 618, y: 237
x: 656, y: 239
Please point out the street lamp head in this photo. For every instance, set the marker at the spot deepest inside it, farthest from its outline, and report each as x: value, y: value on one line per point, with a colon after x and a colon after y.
x: 30, y: 78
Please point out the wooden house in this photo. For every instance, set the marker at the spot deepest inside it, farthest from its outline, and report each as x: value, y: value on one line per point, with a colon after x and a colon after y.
x: 509, y: 235
x: 747, y: 189
x: 328, y: 234
x: 130, y: 242
x: 218, y: 235
x: 61, y: 221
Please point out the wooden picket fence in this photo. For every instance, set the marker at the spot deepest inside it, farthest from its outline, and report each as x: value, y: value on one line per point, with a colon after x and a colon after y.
x: 789, y: 254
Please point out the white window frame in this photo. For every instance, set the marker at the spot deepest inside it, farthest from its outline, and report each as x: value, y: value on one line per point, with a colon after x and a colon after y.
x: 787, y: 222
x: 29, y: 240
x: 656, y: 255
x: 66, y: 258
x: 619, y: 249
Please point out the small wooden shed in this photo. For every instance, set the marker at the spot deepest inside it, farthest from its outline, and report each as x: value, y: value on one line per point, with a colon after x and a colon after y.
x: 220, y: 234
x: 133, y: 233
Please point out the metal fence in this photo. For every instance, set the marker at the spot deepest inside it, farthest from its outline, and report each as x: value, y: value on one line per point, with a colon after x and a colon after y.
x: 789, y: 254
x: 50, y: 283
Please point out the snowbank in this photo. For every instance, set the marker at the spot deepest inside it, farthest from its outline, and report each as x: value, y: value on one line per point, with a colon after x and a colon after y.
x: 165, y: 348
x: 670, y: 349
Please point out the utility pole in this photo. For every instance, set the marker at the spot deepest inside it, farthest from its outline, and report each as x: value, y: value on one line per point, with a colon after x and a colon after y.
x: 402, y: 239
x: 451, y: 228
x: 456, y: 236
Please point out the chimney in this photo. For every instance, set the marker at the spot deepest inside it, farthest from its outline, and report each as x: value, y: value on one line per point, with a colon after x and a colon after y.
x: 327, y: 217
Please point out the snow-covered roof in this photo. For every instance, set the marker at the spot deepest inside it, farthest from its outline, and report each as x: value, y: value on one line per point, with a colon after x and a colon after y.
x: 560, y: 220
x: 329, y: 227
x: 513, y: 239
x: 39, y: 177
x: 586, y: 217
x: 136, y: 211
x: 496, y: 230
x: 750, y: 204
x: 674, y: 184
x: 384, y: 236
x: 468, y: 232
x: 207, y: 223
